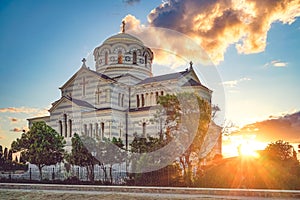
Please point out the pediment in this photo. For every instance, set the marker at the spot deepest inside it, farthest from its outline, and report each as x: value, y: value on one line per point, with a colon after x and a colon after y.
x: 88, y: 72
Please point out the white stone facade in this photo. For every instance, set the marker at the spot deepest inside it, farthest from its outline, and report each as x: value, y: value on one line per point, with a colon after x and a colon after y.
x: 118, y: 99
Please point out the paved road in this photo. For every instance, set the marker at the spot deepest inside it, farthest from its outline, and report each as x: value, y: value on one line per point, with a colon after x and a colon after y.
x: 31, y: 191
x: 56, y: 194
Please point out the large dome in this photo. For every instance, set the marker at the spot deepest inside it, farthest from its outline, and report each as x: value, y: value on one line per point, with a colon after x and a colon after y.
x: 123, y: 54
x: 123, y: 38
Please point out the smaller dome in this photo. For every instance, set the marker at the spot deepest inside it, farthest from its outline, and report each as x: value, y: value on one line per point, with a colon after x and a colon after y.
x: 123, y: 38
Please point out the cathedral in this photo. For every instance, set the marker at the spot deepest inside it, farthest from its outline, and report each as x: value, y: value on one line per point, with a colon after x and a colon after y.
x: 119, y: 97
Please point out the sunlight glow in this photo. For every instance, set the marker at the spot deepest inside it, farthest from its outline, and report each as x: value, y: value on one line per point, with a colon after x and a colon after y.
x: 242, y: 145
x: 248, y: 149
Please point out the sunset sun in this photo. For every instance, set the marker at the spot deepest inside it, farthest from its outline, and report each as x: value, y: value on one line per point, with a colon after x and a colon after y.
x: 248, y: 149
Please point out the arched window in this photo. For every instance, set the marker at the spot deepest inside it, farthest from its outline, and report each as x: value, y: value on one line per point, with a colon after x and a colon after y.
x: 106, y: 58
x: 60, y: 127
x: 134, y: 58
x: 102, y: 130
x: 146, y: 60
x: 156, y: 96
x: 70, y: 127
x: 120, y: 57
x: 65, y: 125
x: 143, y: 100
x: 137, y: 101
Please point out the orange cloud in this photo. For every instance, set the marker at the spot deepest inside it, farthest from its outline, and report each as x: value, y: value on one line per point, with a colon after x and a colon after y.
x: 17, y: 129
x: 13, y: 119
x: 167, y: 44
x: 26, y: 110
x: 217, y: 24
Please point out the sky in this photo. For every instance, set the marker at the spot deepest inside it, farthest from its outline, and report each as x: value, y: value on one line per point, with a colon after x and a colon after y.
x: 253, y: 47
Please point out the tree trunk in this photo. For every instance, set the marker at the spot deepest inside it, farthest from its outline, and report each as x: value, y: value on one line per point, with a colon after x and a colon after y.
x: 87, y: 172
x: 104, y: 171
x: 40, y: 171
x: 91, y: 173
x: 110, y: 174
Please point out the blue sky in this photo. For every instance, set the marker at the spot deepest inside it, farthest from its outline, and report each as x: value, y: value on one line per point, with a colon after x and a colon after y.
x: 42, y: 44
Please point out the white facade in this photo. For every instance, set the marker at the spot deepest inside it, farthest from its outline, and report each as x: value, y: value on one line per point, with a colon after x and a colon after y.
x: 118, y: 99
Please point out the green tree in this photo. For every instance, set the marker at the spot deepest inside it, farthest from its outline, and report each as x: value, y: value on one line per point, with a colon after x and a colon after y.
x: 187, y: 117
x: 82, y: 156
x: 41, y: 146
x: 110, y: 153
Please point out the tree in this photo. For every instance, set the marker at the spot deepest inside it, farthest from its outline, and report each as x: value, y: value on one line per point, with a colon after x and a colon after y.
x: 187, y: 117
x: 5, y: 153
x: 41, y: 146
x: 280, y: 150
x: 9, y: 155
x: 1, y: 156
x: 82, y: 156
x: 110, y: 153
x: 192, y: 116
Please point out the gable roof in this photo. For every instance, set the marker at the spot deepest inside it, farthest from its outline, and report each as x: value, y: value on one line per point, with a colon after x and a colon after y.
x: 81, y: 103
x: 83, y: 68
x: 165, y: 77
x: 77, y: 102
x: 192, y: 82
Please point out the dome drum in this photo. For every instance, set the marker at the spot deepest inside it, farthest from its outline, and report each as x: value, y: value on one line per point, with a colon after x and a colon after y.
x: 123, y: 51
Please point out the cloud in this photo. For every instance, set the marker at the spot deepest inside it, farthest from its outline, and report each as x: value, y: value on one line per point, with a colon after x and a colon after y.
x: 283, y: 127
x: 234, y: 83
x: 131, y: 2
x: 278, y: 63
x: 217, y: 24
x: 26, y: 110
x: 167, y: 44
x: 18, y: 129
x: 12, y: 119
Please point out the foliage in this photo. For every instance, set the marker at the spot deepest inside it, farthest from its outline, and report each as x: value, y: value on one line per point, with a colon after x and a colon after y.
x: 110, y: 153
x: 87, y: 152
x: 280, y: 150
x: 187, y: 117
x: 82, y: 156
x: 41, y: 146
x: 168, y: 176
x: 265, y: 172
x: 7, y: 164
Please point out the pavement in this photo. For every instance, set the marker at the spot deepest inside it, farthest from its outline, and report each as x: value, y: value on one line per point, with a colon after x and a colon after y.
x: 154, y: 192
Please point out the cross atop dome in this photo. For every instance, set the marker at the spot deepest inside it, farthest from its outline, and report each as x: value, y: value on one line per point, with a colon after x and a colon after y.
x: 123, y: 26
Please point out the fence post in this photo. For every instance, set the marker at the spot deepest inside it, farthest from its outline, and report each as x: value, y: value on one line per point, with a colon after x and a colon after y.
x: 30, y: 173
x: 53, y: 175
